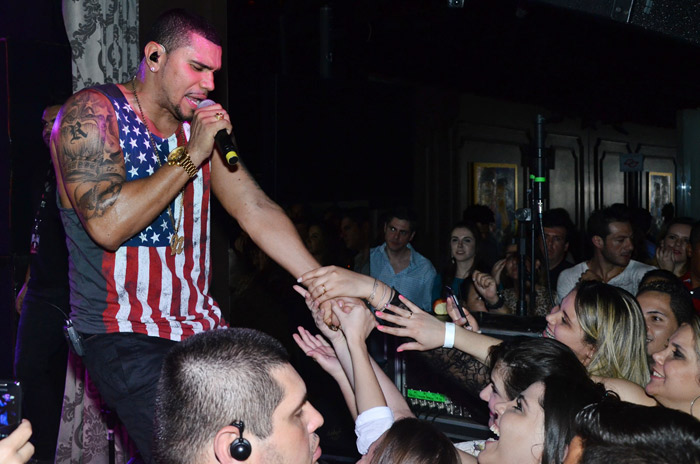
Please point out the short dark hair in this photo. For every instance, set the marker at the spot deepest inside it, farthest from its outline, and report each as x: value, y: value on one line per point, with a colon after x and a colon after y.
x: 558, y: 217
x: 172, y: 29
x: 681, y: 301
x: 663, y: 435
x: 599, y: 221
x: 405, y: 214
x: 210, y: 380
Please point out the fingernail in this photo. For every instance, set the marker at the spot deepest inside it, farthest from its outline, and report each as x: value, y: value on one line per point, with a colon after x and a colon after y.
x: 379, y: 313
x: 380, y: 327
x: 401, y: 297
x: 399, y: 350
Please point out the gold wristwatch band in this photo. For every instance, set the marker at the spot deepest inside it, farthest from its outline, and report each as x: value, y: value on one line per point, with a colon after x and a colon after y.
x: 180, y: 157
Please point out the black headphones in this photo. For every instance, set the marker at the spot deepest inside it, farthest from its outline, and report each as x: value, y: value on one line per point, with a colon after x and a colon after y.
x: 240, y: 448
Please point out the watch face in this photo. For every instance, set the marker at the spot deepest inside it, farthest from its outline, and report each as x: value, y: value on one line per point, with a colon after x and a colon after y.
x: 176, y: 155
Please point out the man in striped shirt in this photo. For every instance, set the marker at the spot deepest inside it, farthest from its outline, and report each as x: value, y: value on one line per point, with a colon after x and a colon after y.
x: 135, y: 171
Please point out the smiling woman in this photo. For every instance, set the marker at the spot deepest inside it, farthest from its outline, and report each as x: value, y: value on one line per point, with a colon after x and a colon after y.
x: 604, y: 326
x: 675, y: 380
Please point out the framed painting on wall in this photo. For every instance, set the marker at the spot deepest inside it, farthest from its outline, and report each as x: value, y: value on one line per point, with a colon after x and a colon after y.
x: 496, y: 186
x: 661, y: 190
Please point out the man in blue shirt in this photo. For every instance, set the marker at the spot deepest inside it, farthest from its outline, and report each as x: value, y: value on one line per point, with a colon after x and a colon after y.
x: 398, y: 264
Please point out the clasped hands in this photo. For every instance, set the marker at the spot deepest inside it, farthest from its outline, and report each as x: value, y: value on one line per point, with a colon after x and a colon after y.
x: 326, y: 284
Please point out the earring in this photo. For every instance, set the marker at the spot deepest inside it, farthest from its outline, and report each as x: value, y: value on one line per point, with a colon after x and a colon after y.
x: 153, y: 69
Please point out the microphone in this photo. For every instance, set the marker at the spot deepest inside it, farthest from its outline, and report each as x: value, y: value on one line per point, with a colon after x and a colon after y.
x: 224, y: 143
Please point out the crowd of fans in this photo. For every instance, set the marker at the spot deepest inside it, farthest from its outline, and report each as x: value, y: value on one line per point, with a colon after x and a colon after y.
x: 622, y: 335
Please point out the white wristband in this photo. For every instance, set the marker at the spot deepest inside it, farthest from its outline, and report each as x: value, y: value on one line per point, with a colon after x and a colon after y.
x: 449, y: 335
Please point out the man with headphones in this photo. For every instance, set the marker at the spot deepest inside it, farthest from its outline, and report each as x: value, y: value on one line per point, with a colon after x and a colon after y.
x: 230, y: 396
x: 136, y: 167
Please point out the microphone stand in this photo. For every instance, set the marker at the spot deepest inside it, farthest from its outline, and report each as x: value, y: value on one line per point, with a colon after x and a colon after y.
x: 538, y: 180
x: 524, y: 217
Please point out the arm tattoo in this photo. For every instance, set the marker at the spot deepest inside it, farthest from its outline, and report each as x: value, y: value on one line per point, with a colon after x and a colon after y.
x: 90, y: 155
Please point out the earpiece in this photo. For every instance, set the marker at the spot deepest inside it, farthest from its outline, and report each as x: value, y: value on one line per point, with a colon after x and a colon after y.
x: 154, y: 57
x: 240, y: 448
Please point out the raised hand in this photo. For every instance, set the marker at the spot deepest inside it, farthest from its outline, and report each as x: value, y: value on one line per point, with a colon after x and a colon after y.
x: 486, y: 286
x: 664, y: 257
x: 356, y: 321
x: 497, y: 270
x: 321, y: 318
x: 427, y: 331
x: 317, y: 348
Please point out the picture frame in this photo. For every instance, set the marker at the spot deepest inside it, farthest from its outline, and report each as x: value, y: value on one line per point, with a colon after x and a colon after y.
x: 496, y: 186
x: 661, y: 190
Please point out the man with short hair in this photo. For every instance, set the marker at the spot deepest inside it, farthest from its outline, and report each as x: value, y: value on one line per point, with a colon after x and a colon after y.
x: 691, y: 279
x: 557, y: 227
x: 611, y: 234
x: 135, y: 170
x: 227, y: 396
x: 398, y: 264
x: 666, y: 305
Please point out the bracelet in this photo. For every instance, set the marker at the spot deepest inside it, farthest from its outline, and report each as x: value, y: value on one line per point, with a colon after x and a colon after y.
x: 374, y: 290
x: 449, y: 335
x: 383, y: 295
x: 391, y: 297
x: 497, y: 305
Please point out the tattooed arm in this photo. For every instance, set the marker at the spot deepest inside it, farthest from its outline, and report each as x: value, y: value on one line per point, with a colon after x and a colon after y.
x: 91, y: 174
x: 264, y: 221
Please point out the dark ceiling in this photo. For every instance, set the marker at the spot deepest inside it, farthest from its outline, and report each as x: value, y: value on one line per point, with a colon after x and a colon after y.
x: 573, y: 63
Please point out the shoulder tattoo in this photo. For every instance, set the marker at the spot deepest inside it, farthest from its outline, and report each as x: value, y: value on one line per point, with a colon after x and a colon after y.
x: 89, y: 153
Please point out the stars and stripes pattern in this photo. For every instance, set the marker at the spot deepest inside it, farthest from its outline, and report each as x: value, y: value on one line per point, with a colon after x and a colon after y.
x: 148, y: 290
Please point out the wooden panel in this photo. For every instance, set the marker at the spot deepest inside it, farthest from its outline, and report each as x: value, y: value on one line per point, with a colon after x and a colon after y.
x: 609, y: 181
x: 566, y: 179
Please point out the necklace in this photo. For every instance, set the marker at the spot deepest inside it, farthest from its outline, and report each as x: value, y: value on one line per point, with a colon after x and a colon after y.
x: 177, y: 242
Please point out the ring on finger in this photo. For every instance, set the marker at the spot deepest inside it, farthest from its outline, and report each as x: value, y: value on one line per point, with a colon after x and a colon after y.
x: 324, y: 289
x: 410, y: 313
x: 219, y: 116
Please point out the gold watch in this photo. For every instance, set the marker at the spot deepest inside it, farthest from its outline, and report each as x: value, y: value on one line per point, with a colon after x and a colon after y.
x: 180, y: 157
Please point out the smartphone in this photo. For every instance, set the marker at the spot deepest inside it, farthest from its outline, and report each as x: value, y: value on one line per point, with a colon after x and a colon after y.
x: 451, y: 295
x: 10, y: 406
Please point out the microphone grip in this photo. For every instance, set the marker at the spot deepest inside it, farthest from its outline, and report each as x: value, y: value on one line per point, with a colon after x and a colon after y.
x: 227, y: 147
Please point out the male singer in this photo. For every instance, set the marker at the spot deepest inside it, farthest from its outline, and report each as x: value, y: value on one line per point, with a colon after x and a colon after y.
x: 135, y: 171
